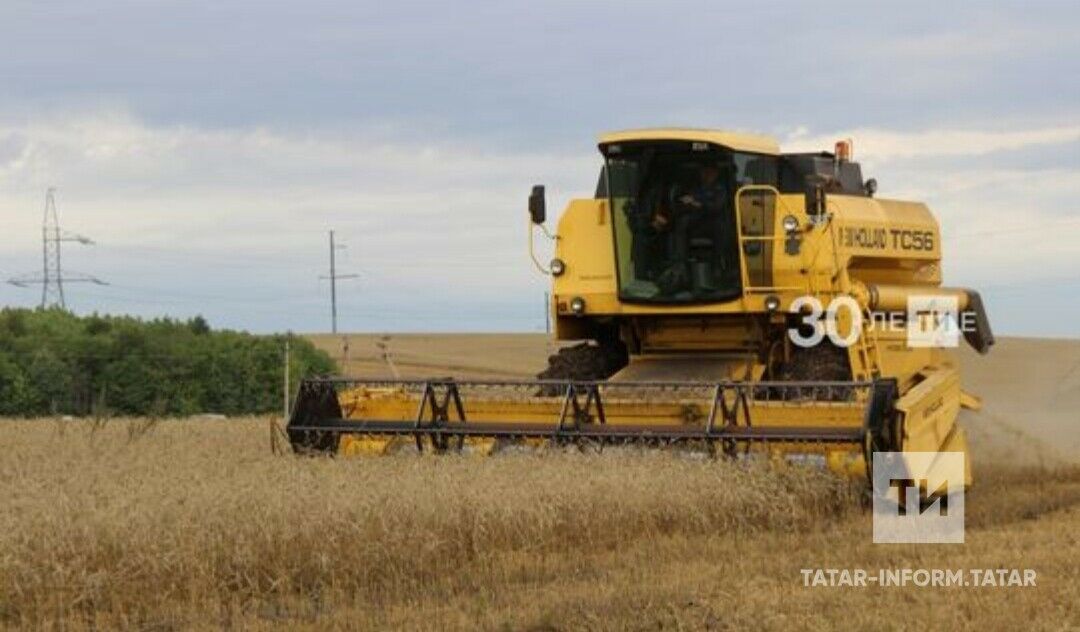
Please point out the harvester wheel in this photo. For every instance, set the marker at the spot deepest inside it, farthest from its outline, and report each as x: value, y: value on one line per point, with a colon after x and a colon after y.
x: 585, y: 362
x: 822, y: 363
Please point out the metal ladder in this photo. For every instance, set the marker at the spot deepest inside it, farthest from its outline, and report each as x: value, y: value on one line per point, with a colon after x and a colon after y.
x: 867, y: 353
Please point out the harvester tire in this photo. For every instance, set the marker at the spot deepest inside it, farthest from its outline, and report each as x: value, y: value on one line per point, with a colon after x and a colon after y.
x: 585, y: 362
x: 821, y: 363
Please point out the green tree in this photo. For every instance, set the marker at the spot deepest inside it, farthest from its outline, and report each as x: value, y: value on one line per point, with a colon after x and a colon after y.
x: 52, y: 361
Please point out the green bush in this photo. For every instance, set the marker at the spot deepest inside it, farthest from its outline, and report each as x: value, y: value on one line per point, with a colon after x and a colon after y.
x: 53, y: 362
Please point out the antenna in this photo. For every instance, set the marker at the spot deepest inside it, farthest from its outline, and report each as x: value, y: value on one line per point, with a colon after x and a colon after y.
x: 53, y: 277
x: 334, y: 276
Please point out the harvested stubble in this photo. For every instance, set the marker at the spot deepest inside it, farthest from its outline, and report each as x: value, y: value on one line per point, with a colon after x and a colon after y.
x: 136, y: 522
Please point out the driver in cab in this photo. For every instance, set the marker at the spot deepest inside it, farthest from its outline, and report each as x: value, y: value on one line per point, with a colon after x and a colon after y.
x: 695, y: 212
x: 710, y: 194
x: 700, y: 211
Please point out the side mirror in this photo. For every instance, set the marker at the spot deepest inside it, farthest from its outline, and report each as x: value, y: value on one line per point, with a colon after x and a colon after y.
x: 815, y: 199
x: 537, y: 205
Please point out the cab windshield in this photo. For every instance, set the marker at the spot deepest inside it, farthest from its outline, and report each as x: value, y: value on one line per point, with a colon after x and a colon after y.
x: 674, y: 218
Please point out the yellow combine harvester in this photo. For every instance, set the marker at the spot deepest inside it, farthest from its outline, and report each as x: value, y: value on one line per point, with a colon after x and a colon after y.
x: 730, y: 297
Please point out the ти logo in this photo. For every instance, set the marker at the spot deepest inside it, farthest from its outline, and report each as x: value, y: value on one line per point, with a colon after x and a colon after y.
x: 922, y: 501
x: 918, y: 497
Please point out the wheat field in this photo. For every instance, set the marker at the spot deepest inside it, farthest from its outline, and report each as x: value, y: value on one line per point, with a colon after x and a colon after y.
x: 170, y: 524
x: 179, y: 524
x: 142, y: 522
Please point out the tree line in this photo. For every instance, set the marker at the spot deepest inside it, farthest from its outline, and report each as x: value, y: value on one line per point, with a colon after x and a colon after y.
x: 54, y: 362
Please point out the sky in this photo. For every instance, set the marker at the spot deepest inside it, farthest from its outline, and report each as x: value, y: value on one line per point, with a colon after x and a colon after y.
x: 209, y: 147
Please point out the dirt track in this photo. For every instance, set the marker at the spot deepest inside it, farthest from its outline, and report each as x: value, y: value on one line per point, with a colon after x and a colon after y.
x: 1031, y: 393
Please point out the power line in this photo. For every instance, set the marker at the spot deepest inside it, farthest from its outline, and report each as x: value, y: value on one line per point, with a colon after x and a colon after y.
x: 334, y: 276
x: 53, y: 277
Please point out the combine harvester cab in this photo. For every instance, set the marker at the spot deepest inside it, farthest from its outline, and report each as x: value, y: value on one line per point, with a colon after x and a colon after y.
x: 724, y: 296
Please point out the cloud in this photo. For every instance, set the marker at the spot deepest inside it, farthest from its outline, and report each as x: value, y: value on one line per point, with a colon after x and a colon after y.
x: 881, y: 145
x: 135, y: 176
x: 246, y: 211
x: 232, y: 222
x: 209, y: 146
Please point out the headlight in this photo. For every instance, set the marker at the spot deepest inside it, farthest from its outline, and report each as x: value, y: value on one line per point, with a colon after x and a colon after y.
x: 577, y: 305
x: 772, y: 302
x: 557, y: 267
x: 791, y: 224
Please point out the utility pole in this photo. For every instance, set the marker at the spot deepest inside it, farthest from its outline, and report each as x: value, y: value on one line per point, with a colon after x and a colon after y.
x: 333, y: 286
x: 547, y: 312
x: 285, y: 402
x: 334, y: 276
x: 53, y: 277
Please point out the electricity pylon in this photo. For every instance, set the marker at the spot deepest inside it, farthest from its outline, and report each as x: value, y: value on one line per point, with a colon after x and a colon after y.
x: 53, y: 277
